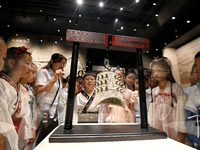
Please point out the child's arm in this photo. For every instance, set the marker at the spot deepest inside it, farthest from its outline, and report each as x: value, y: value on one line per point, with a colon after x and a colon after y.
x: 132, y: 108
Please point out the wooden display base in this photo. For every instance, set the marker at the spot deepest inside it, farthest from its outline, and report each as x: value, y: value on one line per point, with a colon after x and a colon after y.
x: 103, y: 133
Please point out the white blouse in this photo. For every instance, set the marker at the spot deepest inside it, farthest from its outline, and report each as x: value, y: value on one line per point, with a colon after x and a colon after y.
x: 45, y: 99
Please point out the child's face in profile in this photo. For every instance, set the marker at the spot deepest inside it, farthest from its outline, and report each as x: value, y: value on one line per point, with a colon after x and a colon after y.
x: 23, y: 65
x: 136, y: 84
x: 32, y: 74
x: 77, y: 87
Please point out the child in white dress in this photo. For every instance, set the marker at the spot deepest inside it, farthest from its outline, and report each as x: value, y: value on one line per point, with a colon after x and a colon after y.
x: 166, y: 111
x: 14, y: 111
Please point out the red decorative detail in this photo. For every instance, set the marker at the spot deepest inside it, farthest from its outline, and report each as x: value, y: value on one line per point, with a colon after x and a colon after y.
x: 101, y: 38
x: 21, y: 50
x: 106, y: 39
x: 113, y: 39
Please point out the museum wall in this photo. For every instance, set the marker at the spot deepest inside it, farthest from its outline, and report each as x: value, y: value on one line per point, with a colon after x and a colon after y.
x: 182, y: 60
x: 43, y: 46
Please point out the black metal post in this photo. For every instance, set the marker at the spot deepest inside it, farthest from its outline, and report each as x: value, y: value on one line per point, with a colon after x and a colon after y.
x: 142, y: 93
x: 71, y: 92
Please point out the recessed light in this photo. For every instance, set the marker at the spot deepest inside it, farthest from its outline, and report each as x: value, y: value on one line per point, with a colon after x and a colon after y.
x: 61, y: 39
x: 101, y: 4
x: 117, y: 29
x: 70, y: 21
x: 54, y: 19
x: 0, y: 6
x: 79, y: 2
x: 79, y: 15
x: 165, y: 43
x: 154, y: 4
x: 8, y: 25
x: 122, y: 28
x: 176, y: 30
x: 177, y: 36
x: 40, y: 10
x: 188, y: 21
x: 116, y: 20
x: 156, y: 15
x: 17, y: 35
x: 135, y: 29
x: 121, y: 8
x: 156, y: 49
x: 147, y: 25
x: 137, y: 1
x: 147, y: 51
x: 41, y: 41
x: 56, y: 42
x: 98, y: 17
x: 173, y: 18
x: 58, y: 30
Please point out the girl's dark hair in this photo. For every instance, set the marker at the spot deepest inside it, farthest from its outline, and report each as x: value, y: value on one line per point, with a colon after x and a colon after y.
x: 14, y: 53
x: 131, y: 72
x: 56, y: 57
x: 197, y: 55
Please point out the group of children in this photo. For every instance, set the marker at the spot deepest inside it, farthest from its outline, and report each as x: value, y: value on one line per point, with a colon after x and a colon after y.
x: 26, y: 99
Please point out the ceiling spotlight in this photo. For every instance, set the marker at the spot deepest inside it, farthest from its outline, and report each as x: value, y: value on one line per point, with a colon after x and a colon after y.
x: 156, y: 49
x: 117, y: 29
x: 121, y: 8
x: 177, y: 36
x: 8, y: 25
x: 137, y: 1
x: 176, y: 30
x: 79, y: 15
x: 41, y: 41
x: 0, y: 6
x: 116, y: 20
x: 58, y: 30
x: 122, y: 28
x: 147, y: 51
x: 156, y: 15
x: 70, y: 21
x: 101, y: 4
x: 154, y: 4
x: 56, y: 42
x: 54, y: 19
x: 40, y: 10
x: 188, y: 21
x: 173, y: 18
x: 98, y: 18
x: 135, y: 29
x: 147, y: 25
x: 17, y: 35
x: 79, y: 2
x: 61, y: 39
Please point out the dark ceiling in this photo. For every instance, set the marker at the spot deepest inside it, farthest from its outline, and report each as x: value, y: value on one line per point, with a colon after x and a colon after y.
x: 37, y: 16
